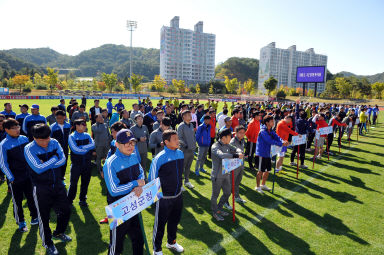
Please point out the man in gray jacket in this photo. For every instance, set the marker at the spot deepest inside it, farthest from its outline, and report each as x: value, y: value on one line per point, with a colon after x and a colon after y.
x: 80, y: 114
x: 221, y: 150
x: 187, y: 139
x: 102, y: 138
x: 141, y: 134
x: 156, y: 137
x: 238, y: 143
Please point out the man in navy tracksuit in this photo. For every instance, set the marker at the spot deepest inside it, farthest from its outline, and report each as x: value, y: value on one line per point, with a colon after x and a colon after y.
x: 302, y: 127
x: 15, y: 167
x: 203, y: 139
x: 20, y: 117
x: 31, y: 120
x: 82, y: 147
x: 168, y: 166
x: 45, y: 156
x: 60, y: 130
x: 123, y: 174
x: 8, y: 113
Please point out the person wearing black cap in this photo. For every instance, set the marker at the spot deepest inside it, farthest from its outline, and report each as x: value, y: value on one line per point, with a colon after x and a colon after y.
x: 123, y: 174
x: 186, y: 134
x: 31, y: 120
x: 45, y: 156
x: 20, y: 117
x: 82, y: 147
x: 168, y: 166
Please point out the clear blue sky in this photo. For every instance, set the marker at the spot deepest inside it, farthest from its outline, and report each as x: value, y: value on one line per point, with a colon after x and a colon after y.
x: 350, y: 33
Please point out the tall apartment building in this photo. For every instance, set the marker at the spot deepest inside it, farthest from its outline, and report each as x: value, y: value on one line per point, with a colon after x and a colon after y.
x: 282, y: 64
x: 187, y: 54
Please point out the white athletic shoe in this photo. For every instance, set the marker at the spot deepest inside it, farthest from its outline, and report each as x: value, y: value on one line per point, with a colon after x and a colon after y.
x: 176, y: 247
x: 227, y: 206
x: 303, y: 166
x: 258, y: 189
x: 264, y: 187
x: 318, y: 157
x: 189, y: 185
x: 157, y: 253
x: 293, y: 164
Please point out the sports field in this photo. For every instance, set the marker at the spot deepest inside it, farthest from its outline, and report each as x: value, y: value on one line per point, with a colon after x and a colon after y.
x: 335, y: 208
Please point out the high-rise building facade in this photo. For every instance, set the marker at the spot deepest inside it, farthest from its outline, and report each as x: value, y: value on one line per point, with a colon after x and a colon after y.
x: 282, y: 65
x: 187, y: 54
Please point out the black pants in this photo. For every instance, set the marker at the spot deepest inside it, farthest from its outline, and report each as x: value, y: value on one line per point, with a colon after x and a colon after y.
x: 311, y: 136
x: 167, y: 211
x: 330, y: 140
x: 210, y: 146
x: 302, y: 153
x: 79, y: 170
x: 18, y: 191
x: 47, y: 197
x: 117, y: 236
x: 341, y: 133
x: 374, y: 118
x: 64, y: 167
x: 250, y: 151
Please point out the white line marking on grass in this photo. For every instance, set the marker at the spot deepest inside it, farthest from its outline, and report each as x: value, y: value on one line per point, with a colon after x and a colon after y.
x: 250, y: 223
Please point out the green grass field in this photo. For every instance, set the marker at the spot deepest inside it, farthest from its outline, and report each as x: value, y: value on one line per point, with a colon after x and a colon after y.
x: 337, y: 208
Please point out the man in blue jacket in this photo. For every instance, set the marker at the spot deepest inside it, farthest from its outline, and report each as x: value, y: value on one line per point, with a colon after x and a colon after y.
x: 45, y: 156
x: 31, y: 120
x: 20, y: 117
x: 15, y: 167
x: 168, y: 166
x: 123, y: 174
x: 267, y: 137
x: 8, y: 113
x: 82, y: 147
x: 203, y: 139
x: 60, y: 130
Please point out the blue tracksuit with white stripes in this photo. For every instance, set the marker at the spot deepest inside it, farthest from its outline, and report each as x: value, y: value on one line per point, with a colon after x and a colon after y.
x: 62, y: 135
x: 168, y: 166
x: 29, y: 122
x: 16, y: 168
x: 20, y: 118
x: 121, y: 173
x: 48, y: 188
x: 8, y: 115
x: 81, y: 145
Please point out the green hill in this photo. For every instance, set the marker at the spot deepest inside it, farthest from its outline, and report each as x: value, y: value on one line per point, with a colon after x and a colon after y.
x: 11, y: 63
x: 106, y: 58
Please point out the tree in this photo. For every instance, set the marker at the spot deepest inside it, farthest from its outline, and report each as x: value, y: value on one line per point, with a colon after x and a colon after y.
x: 110, y: 80
x: 135, y: 82
x: 211, y: 89
x: 101, y: 85
x: 179, y: 85
x: 52, y: 78
x: 239, y: 89
x: 197, y: 88
x: 378, y: 88
x: 159, y: 83
x: 20, y: 80
x: 126, y: 82
x: 344, y: 87
x: 331, y: 89
x: 249, y: 85
x: 230, y: 84
x: 270, y: 84
x: 281, y: 94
